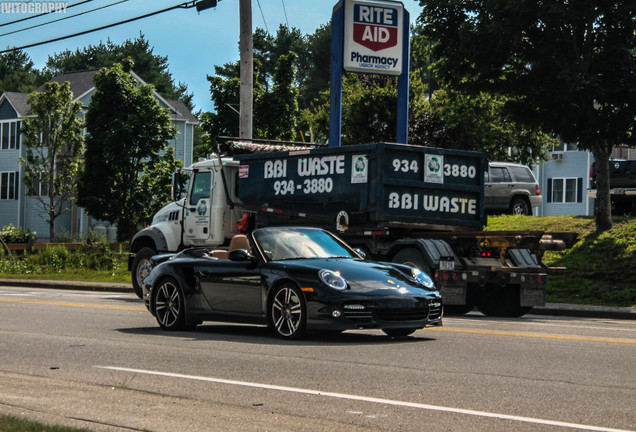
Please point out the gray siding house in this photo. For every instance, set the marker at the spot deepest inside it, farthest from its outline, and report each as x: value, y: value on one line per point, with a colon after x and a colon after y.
x: 16, y: 206
x: 564, y: 181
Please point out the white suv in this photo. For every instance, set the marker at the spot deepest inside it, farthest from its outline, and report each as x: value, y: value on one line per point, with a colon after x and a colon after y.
x: 510, y: 188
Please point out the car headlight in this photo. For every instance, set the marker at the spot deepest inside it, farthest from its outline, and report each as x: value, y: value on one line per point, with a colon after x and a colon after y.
x: 422, y: 278
x: 333, y: 279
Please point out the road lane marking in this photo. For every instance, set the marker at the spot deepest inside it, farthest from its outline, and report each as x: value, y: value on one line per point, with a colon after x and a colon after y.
x: 369, y: 399
x: 73, y: 304
x: 444, y: 329
x: 534, y: 335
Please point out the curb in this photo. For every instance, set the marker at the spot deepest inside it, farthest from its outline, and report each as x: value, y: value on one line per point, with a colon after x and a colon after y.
x: 590, y: 311
x: 74, y: 285
x: 554, y: 309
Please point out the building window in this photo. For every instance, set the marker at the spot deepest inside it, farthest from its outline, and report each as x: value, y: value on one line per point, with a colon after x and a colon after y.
x: 9, y: 136
x: 565, y: 190
x: 39, y: 187
x: 9, y: 186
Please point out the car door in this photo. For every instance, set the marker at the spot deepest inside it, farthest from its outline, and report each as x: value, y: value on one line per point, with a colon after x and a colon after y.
x: 498, y: 188
x: 232, y: 286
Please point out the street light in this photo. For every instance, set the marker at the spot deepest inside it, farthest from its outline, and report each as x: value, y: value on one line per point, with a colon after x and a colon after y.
x: 205, y: 4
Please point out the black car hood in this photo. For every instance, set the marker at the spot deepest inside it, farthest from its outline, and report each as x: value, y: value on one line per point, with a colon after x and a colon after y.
x: 362, y: 276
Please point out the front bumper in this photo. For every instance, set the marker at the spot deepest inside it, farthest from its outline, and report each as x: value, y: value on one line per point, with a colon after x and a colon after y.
x: 374, y: 314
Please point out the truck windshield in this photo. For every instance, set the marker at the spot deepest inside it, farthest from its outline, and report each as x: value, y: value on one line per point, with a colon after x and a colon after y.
x: 299, y: 243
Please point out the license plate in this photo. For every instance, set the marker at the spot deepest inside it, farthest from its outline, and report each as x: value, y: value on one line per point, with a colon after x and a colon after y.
x: 447, y: 264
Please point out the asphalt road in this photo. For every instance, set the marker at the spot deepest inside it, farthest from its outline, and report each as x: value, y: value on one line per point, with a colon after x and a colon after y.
x: 99, y: 360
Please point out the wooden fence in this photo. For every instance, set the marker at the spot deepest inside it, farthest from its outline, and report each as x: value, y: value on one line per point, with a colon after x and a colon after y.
x: 36, y: 247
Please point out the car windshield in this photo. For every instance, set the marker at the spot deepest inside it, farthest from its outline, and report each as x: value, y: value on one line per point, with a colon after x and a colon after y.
x: 298, y: 243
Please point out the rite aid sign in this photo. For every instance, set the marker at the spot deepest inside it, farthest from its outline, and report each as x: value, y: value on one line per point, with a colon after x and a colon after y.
x: 373, y: 38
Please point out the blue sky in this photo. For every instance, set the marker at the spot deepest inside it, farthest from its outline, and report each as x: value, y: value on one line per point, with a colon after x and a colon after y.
x: 194, y: 43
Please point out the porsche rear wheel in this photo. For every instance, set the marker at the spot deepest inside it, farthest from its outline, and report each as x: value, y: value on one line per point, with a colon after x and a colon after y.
x: 169, y: 305
x: 287, y: 314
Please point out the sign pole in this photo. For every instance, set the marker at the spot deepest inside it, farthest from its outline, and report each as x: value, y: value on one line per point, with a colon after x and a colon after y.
x: 372, y: 37
x: 403, y: 85
x: 335, y: 95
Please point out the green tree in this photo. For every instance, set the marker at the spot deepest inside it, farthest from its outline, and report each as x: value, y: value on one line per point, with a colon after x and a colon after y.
x: 127, y: 134
x: 275, y: 93
x: 566, y: 67
x: 277, y: 109
x: 53, y: 141
x: 314, y: 66
x: 17, y: 73
x: 268, y: 49
x: 151, y: 67
x: 157, y: 180
x: 480, y: 123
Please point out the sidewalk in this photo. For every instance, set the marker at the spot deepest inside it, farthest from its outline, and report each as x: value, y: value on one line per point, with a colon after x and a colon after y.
x: 557, y: 309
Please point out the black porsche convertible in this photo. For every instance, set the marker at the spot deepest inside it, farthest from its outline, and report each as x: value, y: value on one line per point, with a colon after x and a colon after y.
x: 294, y: 279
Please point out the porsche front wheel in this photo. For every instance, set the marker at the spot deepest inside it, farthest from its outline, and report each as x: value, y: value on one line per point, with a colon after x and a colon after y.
x: 288, y: 312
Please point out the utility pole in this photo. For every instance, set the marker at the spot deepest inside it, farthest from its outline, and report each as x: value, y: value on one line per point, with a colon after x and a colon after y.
x: 246, y: 46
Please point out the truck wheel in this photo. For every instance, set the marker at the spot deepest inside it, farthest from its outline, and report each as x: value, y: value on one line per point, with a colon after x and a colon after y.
x: 414, y: 258
x: 497, y: 301
x: 141, y: 268
x: 519, y: 206
x: 458, y: 309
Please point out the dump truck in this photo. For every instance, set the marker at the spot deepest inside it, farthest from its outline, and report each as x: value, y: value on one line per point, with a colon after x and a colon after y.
x: 410, y: 204
x: 622, y: 183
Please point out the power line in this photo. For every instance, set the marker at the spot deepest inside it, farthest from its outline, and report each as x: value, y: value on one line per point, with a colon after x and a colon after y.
x: 261, y: 9
x: 62, y: 19
x: 285, y: 11
x: 185, y: 5
x: 43, y: 13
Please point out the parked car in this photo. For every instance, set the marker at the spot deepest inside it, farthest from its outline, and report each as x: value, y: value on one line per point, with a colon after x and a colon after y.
x: 292, y: 279
x: 510, y: 188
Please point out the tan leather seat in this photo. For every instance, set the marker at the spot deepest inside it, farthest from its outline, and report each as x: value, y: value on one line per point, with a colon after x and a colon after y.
x: 239, y: 241
x: 219, y: 253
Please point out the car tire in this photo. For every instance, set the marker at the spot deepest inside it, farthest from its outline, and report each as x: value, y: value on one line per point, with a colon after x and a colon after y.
x: 412, y: 257
x: 288, y: 312
x: 399, y: 333
x: 458, y: 309
x: 519, y: 206
x: 498, y: 301
x: 141, y: 268
x: 169, y: 305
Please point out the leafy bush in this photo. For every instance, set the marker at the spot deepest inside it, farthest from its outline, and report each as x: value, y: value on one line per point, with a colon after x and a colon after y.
x: 54, y: 258
x: 12, y: 234
x: 94, y: 254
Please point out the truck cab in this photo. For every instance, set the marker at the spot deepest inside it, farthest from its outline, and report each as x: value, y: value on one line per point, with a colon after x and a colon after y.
x: 201, y: 215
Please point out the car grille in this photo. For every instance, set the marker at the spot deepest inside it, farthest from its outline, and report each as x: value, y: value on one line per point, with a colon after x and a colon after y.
x: 435, y: 312
x: 358, y: 315
x: 370, y: 314
x: 402, y: 314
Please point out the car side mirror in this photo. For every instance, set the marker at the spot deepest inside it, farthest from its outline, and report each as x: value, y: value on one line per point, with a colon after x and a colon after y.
x: 240, y: 255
